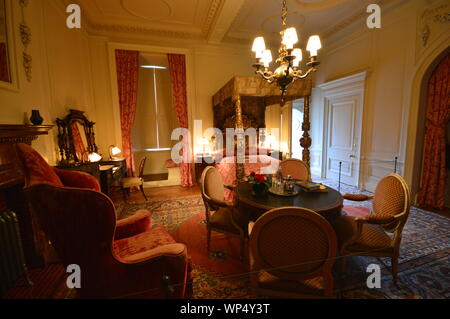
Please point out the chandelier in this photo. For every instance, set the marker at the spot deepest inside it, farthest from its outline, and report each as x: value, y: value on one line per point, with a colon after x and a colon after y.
x: 289, y: 57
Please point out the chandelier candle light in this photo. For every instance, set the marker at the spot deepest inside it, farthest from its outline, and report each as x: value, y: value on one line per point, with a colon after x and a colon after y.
x: 289, y: 57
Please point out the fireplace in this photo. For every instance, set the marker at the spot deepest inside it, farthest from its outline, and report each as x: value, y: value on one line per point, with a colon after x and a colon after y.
x: 12, y: 196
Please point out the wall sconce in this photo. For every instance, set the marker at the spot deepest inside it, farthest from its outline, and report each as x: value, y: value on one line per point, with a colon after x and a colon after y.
x: 115, y: 153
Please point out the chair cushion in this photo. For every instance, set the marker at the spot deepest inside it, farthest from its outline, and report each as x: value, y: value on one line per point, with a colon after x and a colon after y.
x: 128, y: 182
x: 372, y: 237
x: 221, y: 219
x: 37, y: 169
x: 354, y: 211
x: 155, y: 237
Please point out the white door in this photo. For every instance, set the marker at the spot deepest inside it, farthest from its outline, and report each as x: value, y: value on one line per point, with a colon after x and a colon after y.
x: 344, y: 103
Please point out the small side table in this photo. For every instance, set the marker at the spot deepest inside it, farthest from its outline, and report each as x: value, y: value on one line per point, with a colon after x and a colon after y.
x: 202, y: 162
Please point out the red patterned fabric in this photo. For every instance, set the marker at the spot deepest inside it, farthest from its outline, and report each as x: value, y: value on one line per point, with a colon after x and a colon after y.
x: 254, y: 163
x: 438, y: 116
x: 148, y: 240
x: 4, y: 64
x: 177, y: 68
x: 77, y: 179
x: 138, y: 223
x: 81, y: 225
x: 39, y: 171
x: 77, y: 141
x: 127, y: 64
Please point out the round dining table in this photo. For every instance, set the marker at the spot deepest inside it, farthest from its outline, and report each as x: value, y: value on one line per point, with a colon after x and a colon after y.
x: 328, y: 204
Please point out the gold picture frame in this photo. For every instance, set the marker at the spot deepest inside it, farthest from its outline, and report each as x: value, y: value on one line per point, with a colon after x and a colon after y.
x: 8, y: 65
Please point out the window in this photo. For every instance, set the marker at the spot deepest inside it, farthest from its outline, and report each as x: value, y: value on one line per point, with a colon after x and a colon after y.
x: 155, y: 117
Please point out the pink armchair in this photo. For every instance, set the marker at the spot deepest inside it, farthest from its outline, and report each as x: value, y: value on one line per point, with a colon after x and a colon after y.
x: 118, y: 259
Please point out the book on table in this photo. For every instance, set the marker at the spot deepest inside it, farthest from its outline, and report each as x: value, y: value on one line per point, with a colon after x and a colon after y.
x: 310, y: 186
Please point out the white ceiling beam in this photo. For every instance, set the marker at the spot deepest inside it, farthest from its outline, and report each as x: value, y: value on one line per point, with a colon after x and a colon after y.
x: 224, y: 16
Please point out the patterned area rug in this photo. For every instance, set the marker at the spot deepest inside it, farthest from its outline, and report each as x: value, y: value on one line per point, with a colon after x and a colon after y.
x: 423, y: 271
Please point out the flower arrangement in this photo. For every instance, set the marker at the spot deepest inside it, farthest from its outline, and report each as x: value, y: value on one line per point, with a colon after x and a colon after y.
x: 260, y: 182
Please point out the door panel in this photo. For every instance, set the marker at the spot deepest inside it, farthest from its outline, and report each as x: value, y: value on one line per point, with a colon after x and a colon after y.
x: 344, y: 122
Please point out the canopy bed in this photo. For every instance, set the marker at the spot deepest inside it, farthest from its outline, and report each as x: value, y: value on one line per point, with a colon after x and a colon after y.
x: 241, y: 104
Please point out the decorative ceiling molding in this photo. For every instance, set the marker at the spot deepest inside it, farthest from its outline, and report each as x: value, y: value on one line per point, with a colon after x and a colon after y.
x: 223, y: 20
x: 359, y: 17
x: 212, y: 12
x: 94, y: 28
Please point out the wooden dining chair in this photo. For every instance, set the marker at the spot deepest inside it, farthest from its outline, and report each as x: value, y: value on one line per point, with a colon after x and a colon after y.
x: 221, y: 216
x: 292, y: 253
x: 368, y: 236
x: 127, y: 183
x: 298, y: 169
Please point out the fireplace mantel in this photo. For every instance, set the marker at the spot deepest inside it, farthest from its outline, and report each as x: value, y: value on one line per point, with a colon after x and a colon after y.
x: 11, y: 186
x: 15, y: 133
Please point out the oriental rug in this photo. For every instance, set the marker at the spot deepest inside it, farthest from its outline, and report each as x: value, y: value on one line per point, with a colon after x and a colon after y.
x: 424, y: 260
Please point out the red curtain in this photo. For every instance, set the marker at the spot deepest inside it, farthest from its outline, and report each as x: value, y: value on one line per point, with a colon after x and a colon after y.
x: 177, y: 68
x: 127, y: 64
x: 438, y: 116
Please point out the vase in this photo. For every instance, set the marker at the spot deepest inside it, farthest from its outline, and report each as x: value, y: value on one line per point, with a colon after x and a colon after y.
x: 260, y: 190
x: 36, y: 118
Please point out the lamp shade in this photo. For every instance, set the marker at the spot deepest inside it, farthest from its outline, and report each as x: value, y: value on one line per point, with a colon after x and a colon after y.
x: 314, y: 45
x: 298, y: 56
x: 290, y: 38
x: 266, y: 58
x: 114, y: 152
x: 94, y: 157
x: 259, y: 46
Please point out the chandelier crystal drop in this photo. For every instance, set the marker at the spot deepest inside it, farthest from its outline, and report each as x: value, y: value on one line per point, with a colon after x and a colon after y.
x: 289, y: 58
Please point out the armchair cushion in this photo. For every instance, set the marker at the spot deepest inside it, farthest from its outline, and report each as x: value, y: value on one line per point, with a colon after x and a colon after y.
x: 158, y: 236
x: 77, y: 179
x: 36, y: 168
x: 133, y: 225
x: 372, y: 237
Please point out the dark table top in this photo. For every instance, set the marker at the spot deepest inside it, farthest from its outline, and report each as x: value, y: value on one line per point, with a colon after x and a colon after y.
x: 318, y: 202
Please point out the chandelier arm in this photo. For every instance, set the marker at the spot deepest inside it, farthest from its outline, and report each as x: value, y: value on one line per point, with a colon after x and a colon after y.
x: 266, y: 75
x: 303, y: 76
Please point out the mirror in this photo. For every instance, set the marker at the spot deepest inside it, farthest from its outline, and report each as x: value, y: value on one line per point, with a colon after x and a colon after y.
x: 76, y: 138
x: 79, y: 140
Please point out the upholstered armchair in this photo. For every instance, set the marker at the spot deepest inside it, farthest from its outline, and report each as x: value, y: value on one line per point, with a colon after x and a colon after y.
x: 118, y: 259
x: 221, y: 215
x: 292, y: 253
x: 296, y: 168
x: 368, y: 236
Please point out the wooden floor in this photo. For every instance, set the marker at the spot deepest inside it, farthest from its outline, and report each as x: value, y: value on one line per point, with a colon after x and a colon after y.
x: 157, y: 193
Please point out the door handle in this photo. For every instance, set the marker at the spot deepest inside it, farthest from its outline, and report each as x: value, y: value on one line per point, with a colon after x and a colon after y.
x: 352, y: 156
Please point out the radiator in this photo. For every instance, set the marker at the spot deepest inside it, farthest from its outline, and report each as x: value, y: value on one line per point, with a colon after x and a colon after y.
x: 12, y: 259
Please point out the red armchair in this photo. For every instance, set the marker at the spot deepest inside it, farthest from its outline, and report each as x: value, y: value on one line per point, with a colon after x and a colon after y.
x: 118, y: 259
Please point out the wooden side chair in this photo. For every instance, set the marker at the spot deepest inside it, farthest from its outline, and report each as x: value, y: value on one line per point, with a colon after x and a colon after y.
x: 368, y: 236
x: 128, y: 183
x: 292, y: 252
x: 221, y: 215
x: 296, y: 168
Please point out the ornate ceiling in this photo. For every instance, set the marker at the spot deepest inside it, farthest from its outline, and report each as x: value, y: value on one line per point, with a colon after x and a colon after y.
x: 219, y: 21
